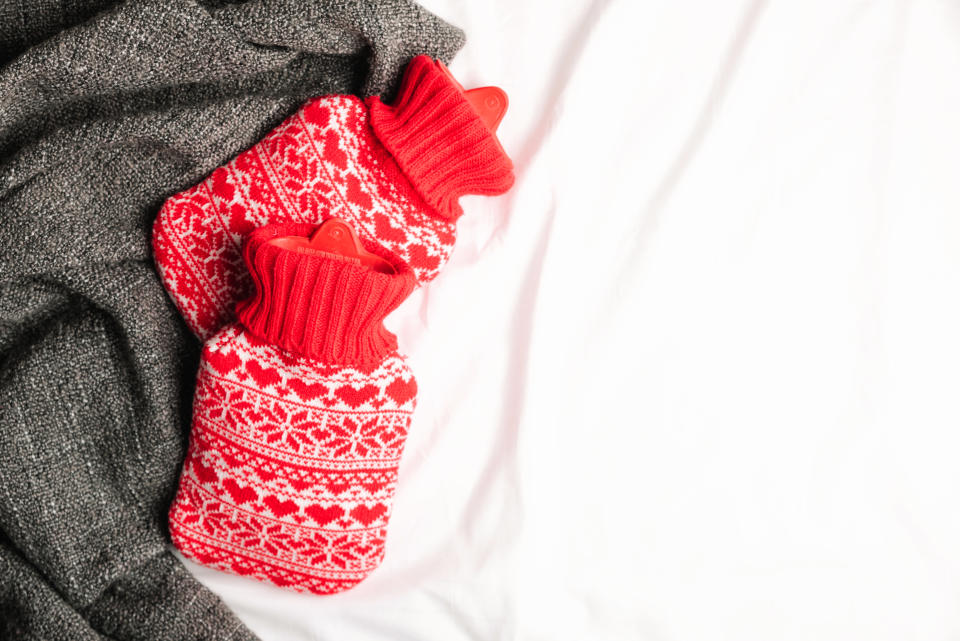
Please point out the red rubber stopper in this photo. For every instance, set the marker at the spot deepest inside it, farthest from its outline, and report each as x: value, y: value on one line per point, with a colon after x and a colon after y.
x: 336, y: 239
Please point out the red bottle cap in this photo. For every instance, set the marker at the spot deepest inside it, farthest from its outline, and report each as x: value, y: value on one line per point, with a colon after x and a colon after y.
x: 336, y: 239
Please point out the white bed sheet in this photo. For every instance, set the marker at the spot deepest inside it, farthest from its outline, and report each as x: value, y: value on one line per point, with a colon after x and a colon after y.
x: 696, y: 377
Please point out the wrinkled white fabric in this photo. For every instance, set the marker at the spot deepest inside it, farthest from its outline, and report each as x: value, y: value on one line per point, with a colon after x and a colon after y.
x: 696, y: 376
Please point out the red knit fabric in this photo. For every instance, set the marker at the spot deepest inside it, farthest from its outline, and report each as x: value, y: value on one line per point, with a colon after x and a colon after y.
x: 317, y: 306
x: 439, y: 141
x: 292, y: 463
x: 302, y: 406
x: 394, y: 173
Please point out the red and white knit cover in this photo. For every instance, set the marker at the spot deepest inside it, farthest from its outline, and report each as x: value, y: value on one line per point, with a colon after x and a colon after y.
x: 300, y: 416
x: 394, y: 173
x: 302, y: 405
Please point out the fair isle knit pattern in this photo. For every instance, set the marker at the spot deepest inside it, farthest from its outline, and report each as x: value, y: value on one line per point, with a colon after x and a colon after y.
x: 291, y: 468
x: 300, y: 415
x: 321, y: 162
x: 302, y: 404
x: 331, y: 159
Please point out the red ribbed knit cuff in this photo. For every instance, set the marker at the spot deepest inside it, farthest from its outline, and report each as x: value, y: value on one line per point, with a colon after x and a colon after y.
x: 318, y: 306
x: 439, y: 141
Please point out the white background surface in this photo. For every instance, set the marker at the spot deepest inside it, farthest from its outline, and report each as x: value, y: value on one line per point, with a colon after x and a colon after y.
x: 697, y: 376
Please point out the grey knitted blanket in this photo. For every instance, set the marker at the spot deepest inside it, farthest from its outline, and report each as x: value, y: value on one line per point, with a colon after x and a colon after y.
x: 106, y: 109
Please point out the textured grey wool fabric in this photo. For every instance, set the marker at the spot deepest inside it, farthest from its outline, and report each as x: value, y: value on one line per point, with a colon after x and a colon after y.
x: 106, y: 109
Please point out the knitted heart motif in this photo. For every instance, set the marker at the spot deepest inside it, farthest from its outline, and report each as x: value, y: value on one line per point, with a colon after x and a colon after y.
x: 262, y: 376
x: 356, y: 194
x: 331, y: 147
x: 356, y: 397
x: 280, y: 508
x: 240, y: 494
x: 220, y: 185
x: 204, y: 474
x: 387, y: 231
x: 324, y: 515
x: 307, y: 391
x: 223, y: 361
x: 368, y: 515
x: 402, y: 391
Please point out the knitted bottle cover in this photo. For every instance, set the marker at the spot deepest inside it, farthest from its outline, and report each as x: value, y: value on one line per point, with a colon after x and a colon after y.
x: 393, y: 172
x: 300, y: 416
